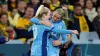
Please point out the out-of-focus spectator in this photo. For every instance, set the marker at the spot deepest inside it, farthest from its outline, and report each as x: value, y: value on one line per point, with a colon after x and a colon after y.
x: 80, y: 22
x: 98, y: 3
x: 65, y: 5
x: 95, y: 4
x: 46, y: 3
x: 21, y: 7
x: 54, y: 4
x: 70, y: 49
x: 35, y: 4
x: 27, y: 1
x: 90, y: 11
x: 5, y: 28
x: 5, y: 8
x: 0, y: 8
x: 96, y: 22
x: 12, y: 4
x: 81, y: 2
x: 13, y: 17
x: 24, y: 23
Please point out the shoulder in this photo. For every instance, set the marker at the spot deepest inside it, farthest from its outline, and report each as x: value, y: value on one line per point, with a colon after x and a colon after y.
x: 76, y: 51
x: 96, y: 18
x: 62, y: 22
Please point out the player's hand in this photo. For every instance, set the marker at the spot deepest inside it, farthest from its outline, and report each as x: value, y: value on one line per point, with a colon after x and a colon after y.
x: 56, y: 43
x: 6, y: 38
x: 75, y: 32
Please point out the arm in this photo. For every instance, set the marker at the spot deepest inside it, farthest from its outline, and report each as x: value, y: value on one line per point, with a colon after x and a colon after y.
x: 30, y: 29
x: 56, y: 30
x: 37, y: 21
x: 62, y: 31
x: 64, y: 39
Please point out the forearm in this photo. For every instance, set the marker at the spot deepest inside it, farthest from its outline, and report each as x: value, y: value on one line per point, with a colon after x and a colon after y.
x: 61, y: 31
x: 35, y: 21
x: 64, y: 39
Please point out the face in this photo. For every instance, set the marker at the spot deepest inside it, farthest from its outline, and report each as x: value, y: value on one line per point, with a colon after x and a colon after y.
x: 29, y: 12
x: 47, y: 17
x: 69, y: 37
x: 12, y: 0
x: 3, y: 19
x: 14, y: 11
x: 89, y: 4
x: 78, y: 10
x: 94, y: 1
x: 99, y: 12
x: 56, y: 16
x: 4, y: 8
x: 81, y: 2
x: 35, y: 1
x: 53, y: 1
x: 22, y: 5
x: 0, y: 8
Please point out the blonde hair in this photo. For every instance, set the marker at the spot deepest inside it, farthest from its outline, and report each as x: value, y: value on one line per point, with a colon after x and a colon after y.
x: 41, y: 11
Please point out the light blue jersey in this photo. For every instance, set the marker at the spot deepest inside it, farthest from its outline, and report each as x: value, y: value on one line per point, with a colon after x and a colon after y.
x: 41, y: 41
x: 55, y: 36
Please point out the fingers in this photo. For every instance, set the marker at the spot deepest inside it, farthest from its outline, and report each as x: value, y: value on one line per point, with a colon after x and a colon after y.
x: 53, y: 43
x: 75, y: 32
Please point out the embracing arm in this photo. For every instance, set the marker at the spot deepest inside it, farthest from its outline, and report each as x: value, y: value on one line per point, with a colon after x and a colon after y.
x: 37, y: 21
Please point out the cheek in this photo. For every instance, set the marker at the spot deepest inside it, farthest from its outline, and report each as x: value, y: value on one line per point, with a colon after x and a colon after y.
x: 54, y: 18
x: 98, y: 13
x: 3, y: 20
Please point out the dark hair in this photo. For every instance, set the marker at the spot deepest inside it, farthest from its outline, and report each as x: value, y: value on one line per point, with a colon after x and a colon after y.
x: 9, y: 4
x: 8, y: 23
x: 77, y: 5
x: 86, y: 2
x: 3, y: 14
x: 29, y: 6
x: 21, y: 1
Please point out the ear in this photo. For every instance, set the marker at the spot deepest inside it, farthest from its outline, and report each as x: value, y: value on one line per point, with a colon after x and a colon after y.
x: 44, y: 15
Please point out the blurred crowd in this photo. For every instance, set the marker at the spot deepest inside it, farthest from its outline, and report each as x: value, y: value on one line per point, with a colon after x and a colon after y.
x: 15, y: 15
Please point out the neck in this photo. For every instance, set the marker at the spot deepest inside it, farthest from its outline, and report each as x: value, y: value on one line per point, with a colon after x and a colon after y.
x: 90, y: 8
x: 44, y: 18
x: 27, y: 17
x: 21, y: 9
x: 4, y: 24
x: 78, y: 15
